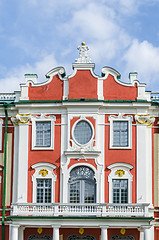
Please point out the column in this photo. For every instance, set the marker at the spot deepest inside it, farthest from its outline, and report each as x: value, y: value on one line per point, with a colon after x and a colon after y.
x: 21, y: 233
x: 144, y: 158
x: 142, y: 233
x: 104, y: 233
x: 55, y: 232
x: 13, y: 233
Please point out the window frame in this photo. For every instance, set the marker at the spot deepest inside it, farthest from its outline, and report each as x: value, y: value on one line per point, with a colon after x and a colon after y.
x: 82, y: 185
x: 44, y: 188
x: 37, y: 175
x: 120, y: 118
x: 126, y: 176
x: 73, y: 128
x: 120, y: 191
x: 43, y: 118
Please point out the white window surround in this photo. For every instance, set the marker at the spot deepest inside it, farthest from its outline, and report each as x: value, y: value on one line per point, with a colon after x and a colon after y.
x: 1, y: 122
x: 43, y: 118
x: 73, y: 128
x: 127, y: 175
x: 37, y: 175
x: 120, y: 117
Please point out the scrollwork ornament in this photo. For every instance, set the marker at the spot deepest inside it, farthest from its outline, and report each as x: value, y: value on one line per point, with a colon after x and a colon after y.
x: 21, y: 119
x: 144, y: 119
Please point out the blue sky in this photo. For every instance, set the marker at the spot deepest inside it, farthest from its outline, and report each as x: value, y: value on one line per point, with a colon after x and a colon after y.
x: 38, y: 35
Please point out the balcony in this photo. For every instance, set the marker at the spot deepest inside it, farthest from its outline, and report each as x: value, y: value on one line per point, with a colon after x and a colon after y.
x: 85, y: 210
x: 7, y: 96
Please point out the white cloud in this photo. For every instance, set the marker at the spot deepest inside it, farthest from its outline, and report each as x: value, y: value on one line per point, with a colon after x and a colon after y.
x: 143, y: 57
x: 11, y: 81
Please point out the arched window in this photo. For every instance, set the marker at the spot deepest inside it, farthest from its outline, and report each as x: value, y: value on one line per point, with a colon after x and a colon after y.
x: 82, y: 185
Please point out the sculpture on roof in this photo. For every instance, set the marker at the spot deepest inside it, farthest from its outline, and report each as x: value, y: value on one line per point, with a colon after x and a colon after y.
x: 83, y: 54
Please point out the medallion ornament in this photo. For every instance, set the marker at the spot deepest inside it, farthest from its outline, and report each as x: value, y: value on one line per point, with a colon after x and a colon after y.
x: 43, y: 172
x: 120, y: 172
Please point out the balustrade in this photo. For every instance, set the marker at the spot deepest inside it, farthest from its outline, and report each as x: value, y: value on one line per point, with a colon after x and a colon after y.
x: 99, y: 210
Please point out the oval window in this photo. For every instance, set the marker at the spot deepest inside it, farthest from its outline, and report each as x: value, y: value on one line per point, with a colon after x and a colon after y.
x: 83, y: 132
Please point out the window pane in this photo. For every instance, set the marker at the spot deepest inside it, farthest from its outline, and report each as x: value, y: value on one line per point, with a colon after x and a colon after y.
x: 82, y: 185
x: 83, y: 132
x: 120, y: 191
x: 120, y: 133
x: 44, y: 190
x: 89, y: 194
x: 43, y: 134
x: 75, y: 192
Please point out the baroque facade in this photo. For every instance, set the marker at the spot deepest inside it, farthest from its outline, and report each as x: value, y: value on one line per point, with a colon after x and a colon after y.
x: 79, y: 157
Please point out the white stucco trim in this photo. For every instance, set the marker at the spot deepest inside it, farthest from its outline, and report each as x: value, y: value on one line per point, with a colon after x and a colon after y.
x: 50, y: 168
x: 114, y: 167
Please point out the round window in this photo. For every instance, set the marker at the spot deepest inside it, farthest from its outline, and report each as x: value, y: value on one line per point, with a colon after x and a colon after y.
x: 83, y: 132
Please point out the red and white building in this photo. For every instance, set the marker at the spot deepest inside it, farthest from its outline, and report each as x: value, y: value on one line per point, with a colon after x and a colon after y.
x: 79, y: 157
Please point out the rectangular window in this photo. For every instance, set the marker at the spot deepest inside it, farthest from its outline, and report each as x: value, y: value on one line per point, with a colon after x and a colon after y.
x: 43, y: 190
x: 43, y: 134
x: 120, y: 191
x: 120, y: 133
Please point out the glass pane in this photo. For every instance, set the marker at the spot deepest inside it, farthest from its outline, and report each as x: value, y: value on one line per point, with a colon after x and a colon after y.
x: 120, y: 191
x: 82, y: 185
x: 44, y: 190
x: 43, y: 134
x: 75, y: 192
x: 120, y: 133
x: 89, y: 194
x: 81, y: 173
x: 83, y: 132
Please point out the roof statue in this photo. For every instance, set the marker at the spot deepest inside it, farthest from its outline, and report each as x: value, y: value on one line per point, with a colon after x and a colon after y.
x: 83, y: 54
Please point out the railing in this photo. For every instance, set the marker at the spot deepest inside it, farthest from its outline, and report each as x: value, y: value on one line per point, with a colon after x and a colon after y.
x: 99, y: 210
x: 7, y: 96
x: 155, y: 96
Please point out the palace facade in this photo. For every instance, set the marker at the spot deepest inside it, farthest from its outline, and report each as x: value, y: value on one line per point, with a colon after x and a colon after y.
x: 79, y: 157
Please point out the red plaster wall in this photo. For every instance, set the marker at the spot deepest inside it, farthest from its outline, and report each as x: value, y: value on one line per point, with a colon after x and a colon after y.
x: 50, y: 91
x: 29, y: 231
x: 156, y: 233
x: 83, y: 85
x: 6, y: 232
x: 50, y: 156
x: 114, y: 91
x: 133, y: 232
x: 68, y: 231
x: 120, y: 155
